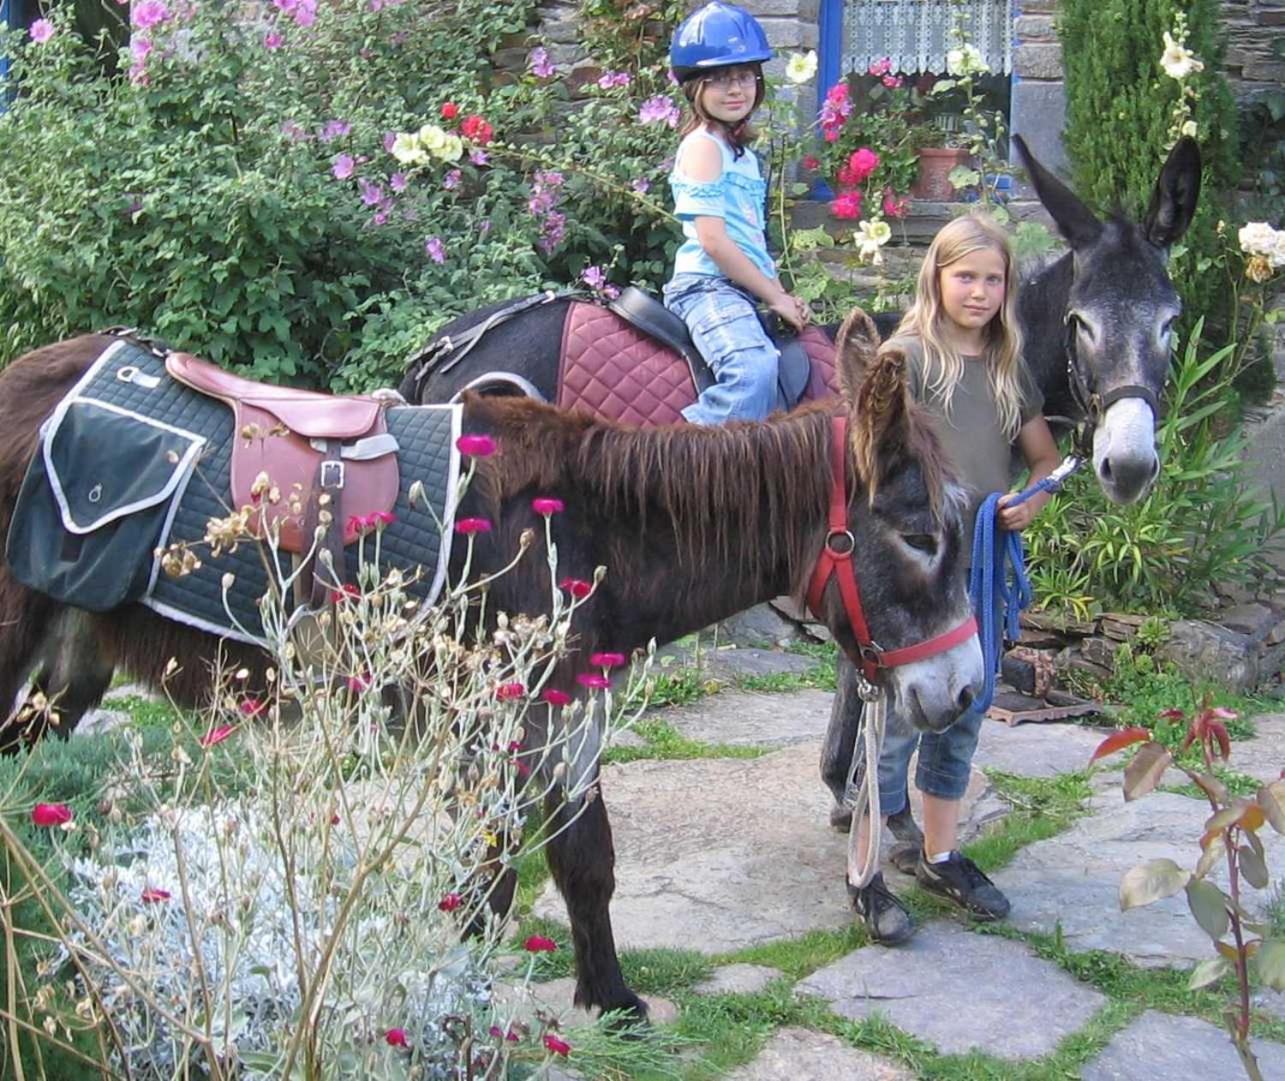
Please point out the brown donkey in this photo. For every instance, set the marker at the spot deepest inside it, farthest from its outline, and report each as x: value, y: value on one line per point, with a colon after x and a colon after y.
x: 693, y: 524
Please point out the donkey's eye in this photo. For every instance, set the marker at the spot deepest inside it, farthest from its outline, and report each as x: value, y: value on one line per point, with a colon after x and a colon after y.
x: 921, y: 542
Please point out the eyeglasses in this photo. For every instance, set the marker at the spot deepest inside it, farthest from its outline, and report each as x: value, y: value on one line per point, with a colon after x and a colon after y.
x: 726, y: 77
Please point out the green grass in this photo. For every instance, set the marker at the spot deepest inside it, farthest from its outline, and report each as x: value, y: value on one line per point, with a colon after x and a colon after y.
x: 662, y: 740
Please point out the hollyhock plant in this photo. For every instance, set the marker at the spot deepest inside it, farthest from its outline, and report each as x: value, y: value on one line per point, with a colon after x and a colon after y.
x: 846, y: 205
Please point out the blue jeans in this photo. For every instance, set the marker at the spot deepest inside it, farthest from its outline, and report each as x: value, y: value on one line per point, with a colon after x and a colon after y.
x: 724, y: 325
x: 945, y: 760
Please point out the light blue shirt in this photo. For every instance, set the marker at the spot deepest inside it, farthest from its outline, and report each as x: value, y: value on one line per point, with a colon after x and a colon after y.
x: 737, y: 197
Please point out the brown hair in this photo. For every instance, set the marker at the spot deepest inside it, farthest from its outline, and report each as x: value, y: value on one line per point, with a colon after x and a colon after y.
x: 738, y: 135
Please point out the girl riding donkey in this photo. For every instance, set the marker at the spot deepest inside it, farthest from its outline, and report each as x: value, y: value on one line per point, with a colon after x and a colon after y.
x: 723, y: 267
x: 963, y: 351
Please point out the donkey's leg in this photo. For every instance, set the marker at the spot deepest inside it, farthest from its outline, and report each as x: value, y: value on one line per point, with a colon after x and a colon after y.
x: 26, y: 620
x: 582, y: 860
x: 74, y: 671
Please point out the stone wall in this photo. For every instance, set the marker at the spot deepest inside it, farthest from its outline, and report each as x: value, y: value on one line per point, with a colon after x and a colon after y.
x: 1038, y: 110
x: 1253, y: 26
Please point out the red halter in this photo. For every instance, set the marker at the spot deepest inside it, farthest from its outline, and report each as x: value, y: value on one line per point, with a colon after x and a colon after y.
x: 836, y: 559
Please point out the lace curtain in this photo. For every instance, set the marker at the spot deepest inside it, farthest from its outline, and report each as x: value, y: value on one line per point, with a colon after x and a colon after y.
x: 915, y: 34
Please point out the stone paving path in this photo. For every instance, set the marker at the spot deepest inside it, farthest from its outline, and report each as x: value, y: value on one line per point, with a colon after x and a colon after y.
x: 719, y: 854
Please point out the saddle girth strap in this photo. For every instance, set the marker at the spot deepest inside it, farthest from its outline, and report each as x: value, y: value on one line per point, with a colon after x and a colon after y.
x: 316, y: 580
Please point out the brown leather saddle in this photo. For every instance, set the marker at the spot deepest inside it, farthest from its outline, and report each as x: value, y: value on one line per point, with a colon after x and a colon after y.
x: 633, y: 361
x: 309, y: 445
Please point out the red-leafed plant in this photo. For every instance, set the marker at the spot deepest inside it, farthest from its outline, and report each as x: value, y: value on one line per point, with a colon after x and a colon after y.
x: 1230, y: 833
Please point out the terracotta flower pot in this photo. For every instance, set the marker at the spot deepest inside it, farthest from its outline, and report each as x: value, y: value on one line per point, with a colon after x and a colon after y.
x: 933, y: 181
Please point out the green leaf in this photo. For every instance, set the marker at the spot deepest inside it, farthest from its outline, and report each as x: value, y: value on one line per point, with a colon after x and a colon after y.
x: 1209, y: 906
x: 1207, y: 972
x: 1151, y: 881
x: 1270, y: 960
x: 1253, y: 867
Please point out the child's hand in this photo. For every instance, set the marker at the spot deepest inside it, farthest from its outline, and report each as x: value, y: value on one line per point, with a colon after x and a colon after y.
x: 793, y: 310
x: 1017, y: 518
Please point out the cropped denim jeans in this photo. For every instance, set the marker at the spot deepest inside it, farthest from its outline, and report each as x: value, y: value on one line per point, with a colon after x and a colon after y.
x: 724, y: 324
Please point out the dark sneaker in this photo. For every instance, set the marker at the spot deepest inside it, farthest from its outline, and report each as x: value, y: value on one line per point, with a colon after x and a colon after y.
x: 886, y: 918
x: 960, y: 880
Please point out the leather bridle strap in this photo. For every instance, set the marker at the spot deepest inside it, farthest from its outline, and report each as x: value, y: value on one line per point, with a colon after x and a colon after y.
x: 836, y: 560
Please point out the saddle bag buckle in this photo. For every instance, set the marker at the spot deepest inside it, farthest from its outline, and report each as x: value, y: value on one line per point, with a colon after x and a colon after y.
x: 332, y: 474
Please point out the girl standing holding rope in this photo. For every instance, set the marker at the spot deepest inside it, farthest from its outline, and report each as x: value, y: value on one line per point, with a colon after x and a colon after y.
x: 963, y: 353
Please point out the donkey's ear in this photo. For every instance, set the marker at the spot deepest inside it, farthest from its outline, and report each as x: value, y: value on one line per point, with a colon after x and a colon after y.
x: 854, y: 347
x: 1173, y: 202
x: 880, y: 414
x: 1075, y: 221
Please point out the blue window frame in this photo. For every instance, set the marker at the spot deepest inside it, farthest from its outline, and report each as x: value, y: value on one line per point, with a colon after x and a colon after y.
x: 14, y: 13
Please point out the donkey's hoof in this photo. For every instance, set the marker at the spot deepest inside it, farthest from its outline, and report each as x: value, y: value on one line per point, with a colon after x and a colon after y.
x: 628, y: 1012
x: 841, y: 818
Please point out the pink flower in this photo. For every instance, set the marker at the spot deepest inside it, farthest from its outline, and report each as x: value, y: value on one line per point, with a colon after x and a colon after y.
x: 837, y: 94
x: 895, y: 206
x: 810, y: 161
x: 148, y: 14
x: 41, y: 31
x: 659, y: 110
x: 358, y: 683
x: 881, y: 67
x: 547, y: 505
x: 607, y: 660
x: 508, y: 691
x: 478, y: 157
x: 151, y: 895
x: 476, y: 130
x: 50, y: 814
x: 862, y: 163
x: 252, y: 707
x: 450, y: 110
x: 397, y: 182
x: 140, y: 48
x: 892, y: 82
x: 469, y: 526
x: 273, y: 40
x: 451, y: 180
x: 450, y: 902
x: 435, y: 249
x: 343, y: 166
x: 577, y: 587
x: 305, y: 12
x: 476, y: 446
x: 539, y: 944
x: 556, y: 1045
x: 556, y: 697
x: 610, y: 79
x: 846, y: 205
x: 216, y: 735
x: 380, y: 519
x: 594, y: 680
x: 396, y: 1037
x: 540, y: 66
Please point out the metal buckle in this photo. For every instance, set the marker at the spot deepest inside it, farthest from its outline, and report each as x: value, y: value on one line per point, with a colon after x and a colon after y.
x: 332, y: 474
x: 840, y: 534
x: 867, y: 691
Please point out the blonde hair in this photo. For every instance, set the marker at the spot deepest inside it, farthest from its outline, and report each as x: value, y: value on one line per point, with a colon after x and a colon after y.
x: 943, y: 364
x: 738, y: 135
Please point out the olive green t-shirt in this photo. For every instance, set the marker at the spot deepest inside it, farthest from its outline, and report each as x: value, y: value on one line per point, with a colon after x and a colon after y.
x: 983, y: 456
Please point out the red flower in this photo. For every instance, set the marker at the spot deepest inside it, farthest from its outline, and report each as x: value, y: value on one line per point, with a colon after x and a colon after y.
x: 469, y: 526
x: 216, y: 735
x: 556, y: 1045
x: 359, y: 683
x: 595, y: 680
x: 577, y: 587
x: 450, y: 110
x: 539, y: 944
x: 893, y: 205
x: 476, y: 446
x: 380, y: 518
x: 396, y: 1037
x: 506, y: 691
x: 476, y: 129
x: 810, y: 161
x: 511, y: 1035
x: 450, y: 902
x: 334, y: 819
x: 846, y: 205
x: 152, y: 894
x: 50, y: 814
x: 252, y: 707
x: 355, y: 524
x: 607, y: 660
x: 547, y: 505
x: 556, y: 697
x: 349, y: 593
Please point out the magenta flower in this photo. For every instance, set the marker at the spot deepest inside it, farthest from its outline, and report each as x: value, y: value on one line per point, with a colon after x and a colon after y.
x: 595, y: 681
x: 216, y: 736
x: 305, y: 12
x: 147, y: 14
x: 476, y: 445
x: 342, y: 596
x: 435, y: 249
x: 892, y: 82
x: 41, y: 31
x: 547, y: 505
x: 450, y: 902
x: 396, y: 1037
x: 50, y: 814
x: 610, y: 79
x: 577, y: 587
x: 371, y: 193
x: 556, y: 697
x: 273, y: 40
x: 895, y: 206
x: 607, y: 660
x: 358, y: 684
x: 252, y: 707
x: 541, y: 68
x: 557, y: 1045
x: 507, y: 691
x: 846, y: 205
x: 151, y: 895
x: 343, y: 166
x: 471, y: 526
x: 862, y: 163
x: 881, y: 67
x: 380, y: 519
x: 539, y: 944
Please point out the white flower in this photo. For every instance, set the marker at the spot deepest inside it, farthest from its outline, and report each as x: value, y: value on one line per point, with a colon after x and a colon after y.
x: 965, y: 60
x: 1257, y: 238
x: 432, y: 138
x: 407, y: 150
x: 1277, y: 255
x: 871, y: 236
x: 801, y: 67
x: 1177, y: 61
x: 1190, y: 128
x: 452, y: 148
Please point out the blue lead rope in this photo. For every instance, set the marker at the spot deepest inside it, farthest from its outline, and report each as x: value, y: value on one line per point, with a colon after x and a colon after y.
x: 997, y: 583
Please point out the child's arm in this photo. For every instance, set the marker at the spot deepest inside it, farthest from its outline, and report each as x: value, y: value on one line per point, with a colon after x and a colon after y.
x: 1039, y: 449
x: 703, y: 162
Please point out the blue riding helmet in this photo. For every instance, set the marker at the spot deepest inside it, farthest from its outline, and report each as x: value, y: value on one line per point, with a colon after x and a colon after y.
x: 717, y: 35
